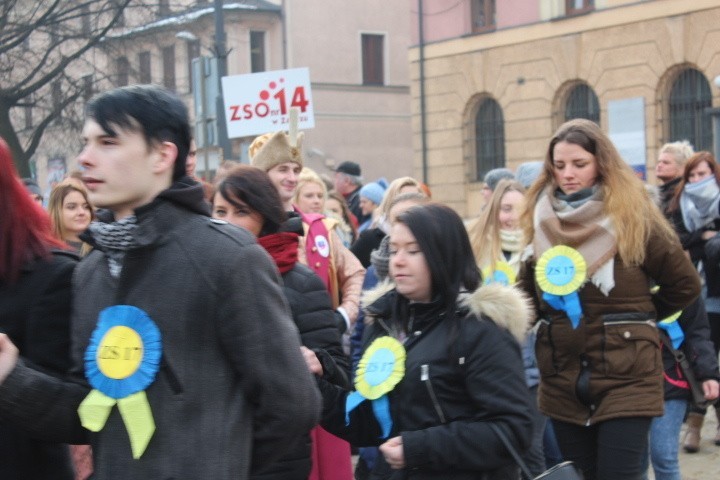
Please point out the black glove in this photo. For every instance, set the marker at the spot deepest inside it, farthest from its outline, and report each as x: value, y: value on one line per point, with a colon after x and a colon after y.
x: 340, y: 322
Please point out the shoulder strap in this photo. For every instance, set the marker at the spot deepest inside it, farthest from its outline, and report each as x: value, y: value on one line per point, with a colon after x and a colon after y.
x: 516, y: 456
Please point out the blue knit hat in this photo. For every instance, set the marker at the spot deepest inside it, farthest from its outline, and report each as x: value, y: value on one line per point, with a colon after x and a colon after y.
x: 373, y: 191
x: 493, y: 177
x: 528, y: 172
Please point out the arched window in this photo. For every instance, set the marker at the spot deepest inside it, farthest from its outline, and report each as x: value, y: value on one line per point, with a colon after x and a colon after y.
x: 489, y: 138
x: 689, y: 97
x: 582, y: 103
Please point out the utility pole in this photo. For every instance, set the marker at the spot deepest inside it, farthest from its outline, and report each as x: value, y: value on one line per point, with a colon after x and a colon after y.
x: 221, y: 54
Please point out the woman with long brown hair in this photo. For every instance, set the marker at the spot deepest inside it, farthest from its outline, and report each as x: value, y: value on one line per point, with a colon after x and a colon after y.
x: 596, y: 244
x: 35, y: 301
x: 71, y: 212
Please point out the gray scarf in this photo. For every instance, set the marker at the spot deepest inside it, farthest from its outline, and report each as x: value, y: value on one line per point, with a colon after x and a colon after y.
x: 115, y: 239
x: 699, y: 203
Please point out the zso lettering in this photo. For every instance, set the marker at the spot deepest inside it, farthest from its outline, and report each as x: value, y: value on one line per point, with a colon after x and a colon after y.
x: 273, y: 105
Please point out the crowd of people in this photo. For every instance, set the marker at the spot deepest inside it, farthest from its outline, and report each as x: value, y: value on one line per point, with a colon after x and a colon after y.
x: 272, y: 322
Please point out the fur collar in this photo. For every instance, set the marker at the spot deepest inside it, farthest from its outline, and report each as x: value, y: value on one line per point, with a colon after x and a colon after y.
x: 507, y: 307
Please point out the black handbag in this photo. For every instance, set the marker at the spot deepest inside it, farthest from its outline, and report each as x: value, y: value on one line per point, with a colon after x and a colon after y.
x: 561, y: 471
x: 698, y: 395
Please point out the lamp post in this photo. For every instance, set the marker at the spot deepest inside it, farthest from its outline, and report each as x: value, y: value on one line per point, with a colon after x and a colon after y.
x: 200, y: 69
x: 221, y: 53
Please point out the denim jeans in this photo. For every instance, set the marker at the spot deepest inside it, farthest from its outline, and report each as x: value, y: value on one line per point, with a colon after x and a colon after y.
x: 665, y: 441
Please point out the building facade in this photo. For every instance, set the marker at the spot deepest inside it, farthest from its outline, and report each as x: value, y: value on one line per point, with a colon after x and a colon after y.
x: 356, y: 54
x: 499, y: 76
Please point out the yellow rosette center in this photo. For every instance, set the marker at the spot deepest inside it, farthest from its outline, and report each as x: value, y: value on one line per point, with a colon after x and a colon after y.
x: 120, y: 352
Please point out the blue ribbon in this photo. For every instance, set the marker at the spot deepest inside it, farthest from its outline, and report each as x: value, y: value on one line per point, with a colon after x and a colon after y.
x: 569, y: 303
x: 674, y: 331
x: 380, y: 406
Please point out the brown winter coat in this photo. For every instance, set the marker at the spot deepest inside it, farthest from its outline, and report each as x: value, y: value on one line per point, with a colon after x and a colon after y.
x: 611, y: 366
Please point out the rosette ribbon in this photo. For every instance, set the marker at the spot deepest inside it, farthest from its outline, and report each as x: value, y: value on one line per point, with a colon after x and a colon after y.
x: 560, y: 272
x: 502, y: 273
x: 673, y: 329
x: 381, y: 367
x: 121, y: 361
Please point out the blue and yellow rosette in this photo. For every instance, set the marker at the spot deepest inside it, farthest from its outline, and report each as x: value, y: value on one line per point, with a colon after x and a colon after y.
x: 120, y: 363
x: 502, y: 273
x: 673, y: 329
x: 671, y: 325
x: 560, y: 272
x: 381, y: 367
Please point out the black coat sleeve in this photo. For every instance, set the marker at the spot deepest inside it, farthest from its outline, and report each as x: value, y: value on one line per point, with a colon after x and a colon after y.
x: 697, y: 345
x: 314, y: 317
x: 47, y: 324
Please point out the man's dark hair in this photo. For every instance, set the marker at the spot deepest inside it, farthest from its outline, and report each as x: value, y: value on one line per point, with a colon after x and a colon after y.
x: 253, y: 187
x: 158, y: 114
x: 443, y: 240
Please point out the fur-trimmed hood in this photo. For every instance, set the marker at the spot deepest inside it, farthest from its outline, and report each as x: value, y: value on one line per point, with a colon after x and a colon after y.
x: 507, y: 307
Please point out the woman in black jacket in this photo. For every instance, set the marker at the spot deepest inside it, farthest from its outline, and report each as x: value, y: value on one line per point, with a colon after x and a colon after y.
x: 247, y: 198
x: 457, y: 364
x: 35, y: 300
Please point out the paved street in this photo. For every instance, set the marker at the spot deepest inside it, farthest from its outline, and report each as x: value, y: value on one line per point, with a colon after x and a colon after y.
x: 704, y: 465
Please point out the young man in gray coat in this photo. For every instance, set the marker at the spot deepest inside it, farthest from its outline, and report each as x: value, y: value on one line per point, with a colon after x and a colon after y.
x: 187, y: 362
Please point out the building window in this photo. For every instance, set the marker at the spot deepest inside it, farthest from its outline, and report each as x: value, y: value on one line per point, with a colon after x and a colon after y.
x: 164, y: 8
x: 573, y: 7
x: 372, y: 59
x: 87, y: 87
x: 144, y: 64
x: 689, y: 97
x: 483, y: 15
x: 193, y: 51
x: 122, y: 72
x: 489, y: 138
x: 168, y: 56
x: 257, y: 52
x: 118, y: 5
x: 28, y: 112
x: 582, y: 103
x: 85, y: 19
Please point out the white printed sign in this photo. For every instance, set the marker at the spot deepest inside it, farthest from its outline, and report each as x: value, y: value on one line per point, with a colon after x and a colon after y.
x: 259, y: 103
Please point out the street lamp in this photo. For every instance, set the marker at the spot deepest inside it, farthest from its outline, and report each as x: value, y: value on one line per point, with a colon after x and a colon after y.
x: 202, y: 122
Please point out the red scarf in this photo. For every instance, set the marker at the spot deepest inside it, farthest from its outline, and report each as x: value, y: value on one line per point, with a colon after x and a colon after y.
x: 283, y: 248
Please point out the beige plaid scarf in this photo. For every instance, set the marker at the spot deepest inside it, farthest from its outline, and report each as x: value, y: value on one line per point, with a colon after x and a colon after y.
x: 585, y: 228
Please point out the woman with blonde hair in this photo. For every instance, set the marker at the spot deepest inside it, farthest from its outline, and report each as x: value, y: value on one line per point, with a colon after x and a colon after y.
x: 71, y: 213
x: 311, y: 192
x: 370, y: 239
x: 497, y: 235
x: 312, y: 195
x: 597, y: 242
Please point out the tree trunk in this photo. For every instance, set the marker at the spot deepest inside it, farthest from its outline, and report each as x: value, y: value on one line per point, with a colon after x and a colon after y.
x: 7, y: 132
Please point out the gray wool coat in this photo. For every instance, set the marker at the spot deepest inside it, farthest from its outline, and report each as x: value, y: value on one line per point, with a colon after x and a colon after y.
x: 232, y: 389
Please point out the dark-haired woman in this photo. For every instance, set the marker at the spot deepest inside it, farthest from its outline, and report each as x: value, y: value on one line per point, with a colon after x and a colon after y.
x: 35, y: 300
x: 247, y: 198
x: 597, y: 244
x: 456, y: 368
x: 695, y: 212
